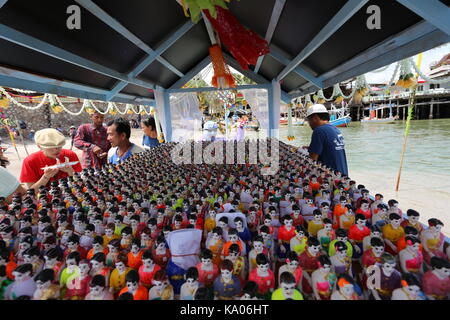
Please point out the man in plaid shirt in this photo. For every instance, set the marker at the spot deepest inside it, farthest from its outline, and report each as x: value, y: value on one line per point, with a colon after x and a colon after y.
x: 91, y: 138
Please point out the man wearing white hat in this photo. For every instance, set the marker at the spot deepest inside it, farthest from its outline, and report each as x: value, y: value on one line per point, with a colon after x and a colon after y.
x: 38, y: 168
x: 327, y: 142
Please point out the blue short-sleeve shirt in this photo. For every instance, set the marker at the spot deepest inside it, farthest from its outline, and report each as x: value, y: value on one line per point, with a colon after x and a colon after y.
x: 328, y: 142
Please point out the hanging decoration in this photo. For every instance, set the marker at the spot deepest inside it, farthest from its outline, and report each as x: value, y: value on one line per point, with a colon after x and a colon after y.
x: 4, y: 101
x: 308, y: 102
x: 362, y: 88
x: 56, y: 108
x: 194, y: 8
x: 320, y: 97
x: 244, y: 45
x: 407, y: 79
x: 222, y: 78
x: 290, y: 133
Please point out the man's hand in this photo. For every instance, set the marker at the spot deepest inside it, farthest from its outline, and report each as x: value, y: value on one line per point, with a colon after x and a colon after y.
x: 97, y: 150
x: 50, y: 173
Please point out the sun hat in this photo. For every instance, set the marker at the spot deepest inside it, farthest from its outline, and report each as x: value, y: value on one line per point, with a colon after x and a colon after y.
x: 49, y: 138
x: 316, y: 108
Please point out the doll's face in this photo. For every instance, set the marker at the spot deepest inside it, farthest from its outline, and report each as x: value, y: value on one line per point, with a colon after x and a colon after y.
x: 375, y: 234
x: 344, y: 239
x: 415, y: 247
x: 293, y: 264
x: 223, y: 224
x: 388, y: 268
x: 120, y: 266
x: 396, y: 223
x: 443, y: 272
x: 134, y: 223
x: 341, y: 253
x: 161, y: 246
x: 135, y: 249
x: 378, y: 251
x: 145, y: 237
x: 109, y: 232
x: 84, y: 268
x: 96, y: 291
x: 233, y: 238
x: 268, y: 222
x: 19, y: 277
x: 191, y: 282
x: 314, y: 249
x: 325, y: 209
x: 436, y: 228
x: 288, y: 223
x: 88, y: 233
x: 347, y: 289
x: 288, y: 288
x: 263, y: 267
x: 361, y: 223
x: 413, y: 290
x: 216, y: 236
x: 328, y: 226
x: 206, y: 262
x: 226, y: 274
x: 126, y: 236
x: 160, y: 285
x: 413, y: 219
x: 364, y: 206
x: 148, y: 263
x: 166, y: 233
x: 239, y: 224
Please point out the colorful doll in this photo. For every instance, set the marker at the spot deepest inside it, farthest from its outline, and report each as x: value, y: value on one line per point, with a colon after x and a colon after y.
x: 233, y: 239
x: 411, y: 258
x: 375, y: 232
x: 239, y: 262
x: 32, y: 256
x: 341, y: 262
x: 297, y: 218
x: 78, y: 288
x: 292, y: 266
x: 4, y: 281
x: 162, y: 289
x: 148, y: 269
x: 52, y: 261
x: 126, y: 238
x: 348, y: 218
x: 412, y: 220
x: 134, y: 257
x: 214, y: 242
x: 357, y: 233
x: 258, y: 247
x: 326, y: 234
x: 207, y: 271
x: 410, y: 289
x: 365, y: 210
x: 45, y: 286
x: 285, y: 233
x: 226, y: 286
x: 299, y: 241
x: 316, y: 223
x: 433, y: 240
x: 341, y: 235
x: 436, y: 282
x: 392, y: 232
x: 23, y: 284
x: 98, y: 263
x: 98, y: 289
x: 113, y: 252
x: 117, y: 278
x: 160, y: 252
x: 287, y: 288
x: 373, y: 255
x: 97, y: 246
x: 386, y: 279
x: 263, y: 276
x: 243, y: 232
x: 323, y: 279
x: 345, y: 289
x: 189, y: 288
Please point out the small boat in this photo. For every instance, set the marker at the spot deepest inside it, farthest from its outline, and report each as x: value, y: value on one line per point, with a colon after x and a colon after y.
x: 379, y: 121
x: 341, y: 122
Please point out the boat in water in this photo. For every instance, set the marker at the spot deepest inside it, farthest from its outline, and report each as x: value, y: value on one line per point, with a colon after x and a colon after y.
x: 339, y: 117
x: 372, y: 119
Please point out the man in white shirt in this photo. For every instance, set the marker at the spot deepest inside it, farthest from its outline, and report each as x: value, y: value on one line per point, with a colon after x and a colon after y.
x: 209, y: 129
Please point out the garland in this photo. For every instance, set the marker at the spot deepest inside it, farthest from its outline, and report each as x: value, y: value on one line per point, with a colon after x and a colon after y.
x: 17, y: 103
x: 411, y: 62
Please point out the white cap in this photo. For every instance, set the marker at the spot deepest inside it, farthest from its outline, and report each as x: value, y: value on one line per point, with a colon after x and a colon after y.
x: 316, y: 108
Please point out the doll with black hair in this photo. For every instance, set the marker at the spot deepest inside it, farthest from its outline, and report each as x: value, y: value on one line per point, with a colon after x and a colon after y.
x: 46, y: 288
x: 23, y: 284
x: 191, y: 285
x: 98, y: 289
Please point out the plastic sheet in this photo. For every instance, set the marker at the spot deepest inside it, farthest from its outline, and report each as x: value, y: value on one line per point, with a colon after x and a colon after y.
x: 186, y: 117
x: 258, y: 101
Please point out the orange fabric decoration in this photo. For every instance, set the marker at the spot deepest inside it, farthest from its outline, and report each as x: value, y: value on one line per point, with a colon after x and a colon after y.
x: 222, y: 78
x: 404, y: 283
x: 342, y: 282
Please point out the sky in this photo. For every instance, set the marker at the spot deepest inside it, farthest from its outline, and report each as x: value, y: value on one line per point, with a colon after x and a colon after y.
x: 428, y: 57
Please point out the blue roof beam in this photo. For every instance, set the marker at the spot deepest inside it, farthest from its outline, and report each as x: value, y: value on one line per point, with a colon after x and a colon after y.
x: 433, y: 11
x: 276, y: 14
x: 146, y: 61
x: 117, y: 26
x: 32, y: 43
x: 2, y: 3
x: 343, y: 15
x: 22, y: 80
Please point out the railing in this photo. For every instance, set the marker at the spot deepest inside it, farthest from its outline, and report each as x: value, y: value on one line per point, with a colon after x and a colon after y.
x: 406, y: 94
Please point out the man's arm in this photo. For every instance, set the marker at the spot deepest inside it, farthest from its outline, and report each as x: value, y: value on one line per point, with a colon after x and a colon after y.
x: 80, y: 141
x: 316, y: 146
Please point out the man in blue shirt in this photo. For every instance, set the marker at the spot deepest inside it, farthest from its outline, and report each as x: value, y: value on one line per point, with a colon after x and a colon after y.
x: 327, y: 143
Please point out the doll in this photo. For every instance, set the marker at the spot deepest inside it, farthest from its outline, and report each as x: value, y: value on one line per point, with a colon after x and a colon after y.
x: 189, y: 288
x: 373, y: 255
x: 214, y: 242
x: 323, y: 279
x: 134, y: 257
x: 392, y: 232
x: 98, y: 263
x: 341, y: 262
x: 326, y: 234
x: 8, y: 263
x: 410, y: 289
x: 207, y: 271
x: 357, y: 233
x: 287, y: 288
x: 347, y: 219
x: 436, y: 282
x: 433, y: 240
x: 97, y: 246
x: 98, y: 289
x: 341, y: 235
x: 233, y: 239
x: 160, y: 252
x: 23, y: 284
x: 263, y: 276
x: 364, y: 209
x: 412, y: 220
x: 316, y: 223
x: 292, y: 266
x: 52, y: 261
x: 249, y: 291
x: 4, y: 281
x: 297, y: 218
x: 161, y: 289
x: 239, y: 263
x: 148, y: 269
x: 73, y: 245
x: 45, y: 288
x: 226, y: 286
x: 375, y: 232
x: 345, y: 289
x: 126, y: 238
x: 243, y: 232
x: 258, y: 247
x: 299, y: 241
x: 411, y: 258
x: 285, y: 233
x: 113, y: 252
x: 32, y: 256
x: 118, y: 275
x: 389, y: 278
x: 308, y: 262
x: 78, y: 289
